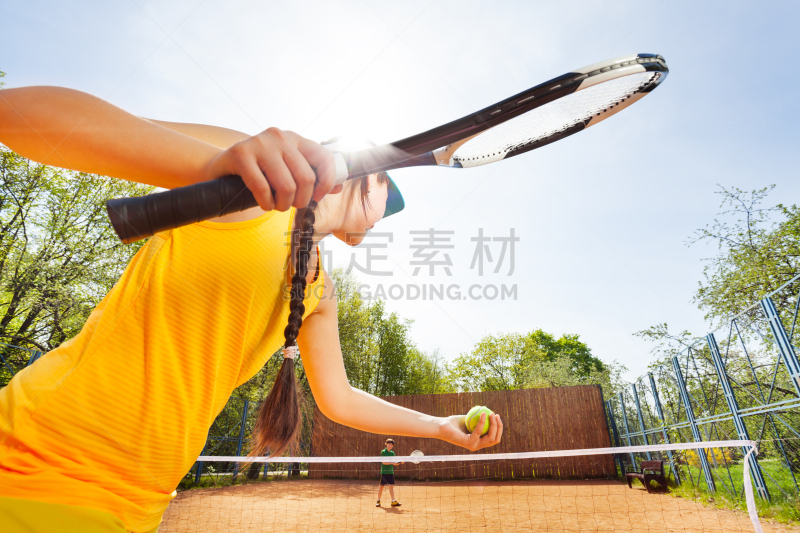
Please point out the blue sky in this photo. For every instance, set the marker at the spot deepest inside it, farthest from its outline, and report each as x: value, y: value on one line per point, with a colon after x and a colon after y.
x: 603, y: 217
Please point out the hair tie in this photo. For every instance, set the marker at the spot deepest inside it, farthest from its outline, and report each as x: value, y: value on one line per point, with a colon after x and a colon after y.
x: 290, y: 352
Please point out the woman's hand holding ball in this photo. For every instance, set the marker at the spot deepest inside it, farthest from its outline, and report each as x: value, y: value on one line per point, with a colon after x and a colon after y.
x: 454, y: 429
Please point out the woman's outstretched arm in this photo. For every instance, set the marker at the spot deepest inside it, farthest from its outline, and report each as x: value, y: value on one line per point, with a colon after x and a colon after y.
x: 214, y: 135
x: 322, y: 360
x: 74, y: 130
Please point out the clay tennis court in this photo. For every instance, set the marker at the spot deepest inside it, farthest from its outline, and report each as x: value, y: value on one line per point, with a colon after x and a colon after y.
x: 334, y: 506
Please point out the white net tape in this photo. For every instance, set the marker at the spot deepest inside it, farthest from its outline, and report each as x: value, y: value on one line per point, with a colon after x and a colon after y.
x: 549, y: 119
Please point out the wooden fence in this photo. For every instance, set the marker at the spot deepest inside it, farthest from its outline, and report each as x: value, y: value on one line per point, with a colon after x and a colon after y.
x: 558, y: 418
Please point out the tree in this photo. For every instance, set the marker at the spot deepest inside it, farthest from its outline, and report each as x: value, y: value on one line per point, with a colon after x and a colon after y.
x: 496, y: 363
x: 570, y: 346
x: 379, y: 355
x: 428, y: 373
x: 667, y: 344
x: 758, y: 251
x: 756, y: 254
x: 561, y: 372
x: 510, y: 361
x: 59, y: 255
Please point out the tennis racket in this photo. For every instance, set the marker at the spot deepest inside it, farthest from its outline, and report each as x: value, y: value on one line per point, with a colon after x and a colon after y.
x: 531, y: 119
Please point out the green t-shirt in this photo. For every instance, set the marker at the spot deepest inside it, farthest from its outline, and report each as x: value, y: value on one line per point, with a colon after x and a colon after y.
x: 387, y: 469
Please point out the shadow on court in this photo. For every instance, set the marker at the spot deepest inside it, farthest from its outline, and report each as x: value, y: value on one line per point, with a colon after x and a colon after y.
x: 321, y: 506
x: 393, y: 510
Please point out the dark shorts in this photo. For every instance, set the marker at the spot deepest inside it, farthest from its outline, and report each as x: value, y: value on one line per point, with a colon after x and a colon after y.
x: 387, y: 479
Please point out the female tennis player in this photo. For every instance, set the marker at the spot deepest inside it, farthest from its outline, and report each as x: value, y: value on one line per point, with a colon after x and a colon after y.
x: 96, y: 435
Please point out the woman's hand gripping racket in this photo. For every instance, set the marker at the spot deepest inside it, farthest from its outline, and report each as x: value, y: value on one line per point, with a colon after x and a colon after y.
x: 531, y: 119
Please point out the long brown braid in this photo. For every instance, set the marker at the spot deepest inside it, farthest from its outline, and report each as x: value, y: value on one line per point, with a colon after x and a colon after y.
x: 279, y: 418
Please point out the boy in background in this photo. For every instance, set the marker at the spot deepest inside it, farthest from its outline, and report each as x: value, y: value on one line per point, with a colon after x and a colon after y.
x: 387, y: 474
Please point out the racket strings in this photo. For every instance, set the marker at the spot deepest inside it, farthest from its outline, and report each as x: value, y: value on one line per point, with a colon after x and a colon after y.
x: 551, y: 119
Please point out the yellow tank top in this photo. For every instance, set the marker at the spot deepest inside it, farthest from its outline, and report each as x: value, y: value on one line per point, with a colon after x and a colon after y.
x: 114, y: 418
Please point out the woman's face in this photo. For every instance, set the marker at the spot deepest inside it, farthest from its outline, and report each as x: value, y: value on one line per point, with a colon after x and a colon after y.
x: 359, y: 220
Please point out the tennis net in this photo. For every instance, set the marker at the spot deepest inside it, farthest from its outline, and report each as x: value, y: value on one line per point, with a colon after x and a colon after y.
x: 476, y: 492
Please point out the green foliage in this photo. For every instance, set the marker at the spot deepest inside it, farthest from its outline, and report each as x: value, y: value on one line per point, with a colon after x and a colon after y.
x: 279, y: 472
x: 59, y: 255
x: 568, y: 345
x: 765, y: 382
x: 756, y: 253
x: 428, y: 373
x: 378, y: 353
x: 562, y: 372
x: 2, y: 75
x: 667, y: 345
x: 513, y: 361
x: 255, y: 390
x: 497, y: 363
x: 785, y: 504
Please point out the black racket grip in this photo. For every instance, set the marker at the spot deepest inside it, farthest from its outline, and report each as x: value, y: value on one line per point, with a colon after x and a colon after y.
x: 137, y: 218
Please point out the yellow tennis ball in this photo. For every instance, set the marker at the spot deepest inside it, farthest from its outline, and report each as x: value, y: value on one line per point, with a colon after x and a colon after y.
x: 474, y: 416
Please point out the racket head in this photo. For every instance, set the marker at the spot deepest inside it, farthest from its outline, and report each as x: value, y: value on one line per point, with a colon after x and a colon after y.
x: 416, y: 453
x: 541, y: 115
x: 552, y: 121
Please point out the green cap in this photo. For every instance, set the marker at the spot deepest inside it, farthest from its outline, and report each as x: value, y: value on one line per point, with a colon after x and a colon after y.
x: 394, y: 202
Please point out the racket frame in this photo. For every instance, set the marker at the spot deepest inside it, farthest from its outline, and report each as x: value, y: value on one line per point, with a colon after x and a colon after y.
x: 438, y: 145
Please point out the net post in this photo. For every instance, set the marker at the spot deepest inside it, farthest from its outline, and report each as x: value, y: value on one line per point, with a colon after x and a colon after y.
x: 687, y: 405
x: 733, y: 406
x: 782, y: 340
x: 660, y: 411
x: 242, y: 426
